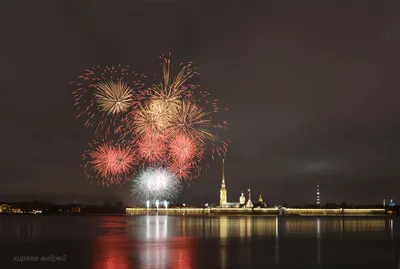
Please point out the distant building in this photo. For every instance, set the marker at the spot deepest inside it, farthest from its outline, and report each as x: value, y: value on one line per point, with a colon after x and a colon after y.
x: 242, y: 200
x: 223, y: 193
x: 223, y: 200
x: 232, y: 205
x: 76, y: 210
x: 36, y: 212
x: 16, y: 211
x: 249, y: 203
x: 4, y: 208
x: 260, y: 203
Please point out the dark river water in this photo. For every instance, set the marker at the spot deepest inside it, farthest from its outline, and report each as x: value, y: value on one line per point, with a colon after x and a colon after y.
x: 188, y: 242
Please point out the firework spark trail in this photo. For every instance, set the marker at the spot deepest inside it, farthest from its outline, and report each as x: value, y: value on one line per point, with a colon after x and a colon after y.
x: 97, y: 94
x: 171, y: 89
x: 155, y: 183
x: 192, y: 120
x: 109, y: 164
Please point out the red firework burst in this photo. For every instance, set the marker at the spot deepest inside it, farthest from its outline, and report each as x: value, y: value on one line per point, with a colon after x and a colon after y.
x: 110, y: 164
x: 181, y: 169
x: 182, y: 148
x: 152, y: 148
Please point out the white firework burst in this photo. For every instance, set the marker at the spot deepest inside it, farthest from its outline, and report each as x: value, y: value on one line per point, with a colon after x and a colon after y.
x: 156, y: 183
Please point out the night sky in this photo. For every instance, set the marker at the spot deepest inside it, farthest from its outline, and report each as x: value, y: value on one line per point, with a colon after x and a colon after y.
x: 313, y: 93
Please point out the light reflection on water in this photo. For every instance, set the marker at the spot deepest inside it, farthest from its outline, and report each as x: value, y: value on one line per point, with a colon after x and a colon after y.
x: 248, y: 226
x: 121, y: 242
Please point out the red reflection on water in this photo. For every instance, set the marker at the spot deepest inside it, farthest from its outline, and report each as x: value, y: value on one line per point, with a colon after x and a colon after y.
x: 180, y: 253
x: 112, y: 250
x: 116, y: 250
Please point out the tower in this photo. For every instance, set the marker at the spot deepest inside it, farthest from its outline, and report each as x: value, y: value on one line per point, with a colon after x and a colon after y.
x: 318, y: 198
x: 223, y: 192
x: 249, y: 203
x: 242, y: 200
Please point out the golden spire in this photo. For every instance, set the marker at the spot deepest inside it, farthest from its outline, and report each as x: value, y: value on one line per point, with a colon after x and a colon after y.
x: 223, y: 195
x: 223, y: 173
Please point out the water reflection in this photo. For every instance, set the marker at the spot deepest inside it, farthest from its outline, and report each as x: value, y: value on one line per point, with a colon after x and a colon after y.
x: 164, y: 227
x: 111, y: 252
x: 276, y: 240
x: 391, y: 228
x: 193, y: 242
x: 162, y: 249
x: 158, y: 237
x: 319, y: 242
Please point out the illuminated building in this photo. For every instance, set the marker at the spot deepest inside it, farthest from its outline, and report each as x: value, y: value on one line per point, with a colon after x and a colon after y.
x: 260, y: 203
x: 36, y: 212
x: 249, y: 203
x: 76, y: 210
x: 4, y: 208
x: 242, y: 200
x: 223, y: 192
x: 16, y: 211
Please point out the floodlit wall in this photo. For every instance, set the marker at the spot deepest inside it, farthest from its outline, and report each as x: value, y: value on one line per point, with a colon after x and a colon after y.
x: 264, y: 211
x: 322, y: 211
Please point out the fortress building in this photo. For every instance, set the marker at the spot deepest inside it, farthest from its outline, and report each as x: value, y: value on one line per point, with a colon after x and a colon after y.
x: 223, y: 193
x: 249, y: 204
x: 242, y: 200
x: 260, y: 203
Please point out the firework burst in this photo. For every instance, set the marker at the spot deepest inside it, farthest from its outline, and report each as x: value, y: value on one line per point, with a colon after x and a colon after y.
x: 171, y: 89
x: 154, y: 116
x: 155, y: 183
x: 152, y: 148
x: 182, y: 148
x: 181, y: 169
x: 172, y: 124
x: 193, y: 121
x: 113, y: 97
x: 103, y: 97
x: 109, y: 163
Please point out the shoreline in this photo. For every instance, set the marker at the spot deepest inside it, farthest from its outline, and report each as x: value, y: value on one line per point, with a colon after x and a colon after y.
x: 258, y: 211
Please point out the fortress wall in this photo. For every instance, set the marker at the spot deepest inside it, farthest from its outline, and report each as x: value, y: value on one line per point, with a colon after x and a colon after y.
x: 322, y: 211
x: 266, y: 211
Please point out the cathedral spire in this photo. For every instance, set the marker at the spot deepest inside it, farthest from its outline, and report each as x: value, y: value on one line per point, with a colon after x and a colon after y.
x: 223, y: 172
x: 223, y: 192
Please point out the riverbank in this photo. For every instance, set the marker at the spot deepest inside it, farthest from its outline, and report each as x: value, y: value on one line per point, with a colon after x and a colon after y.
x: 257, y: 211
